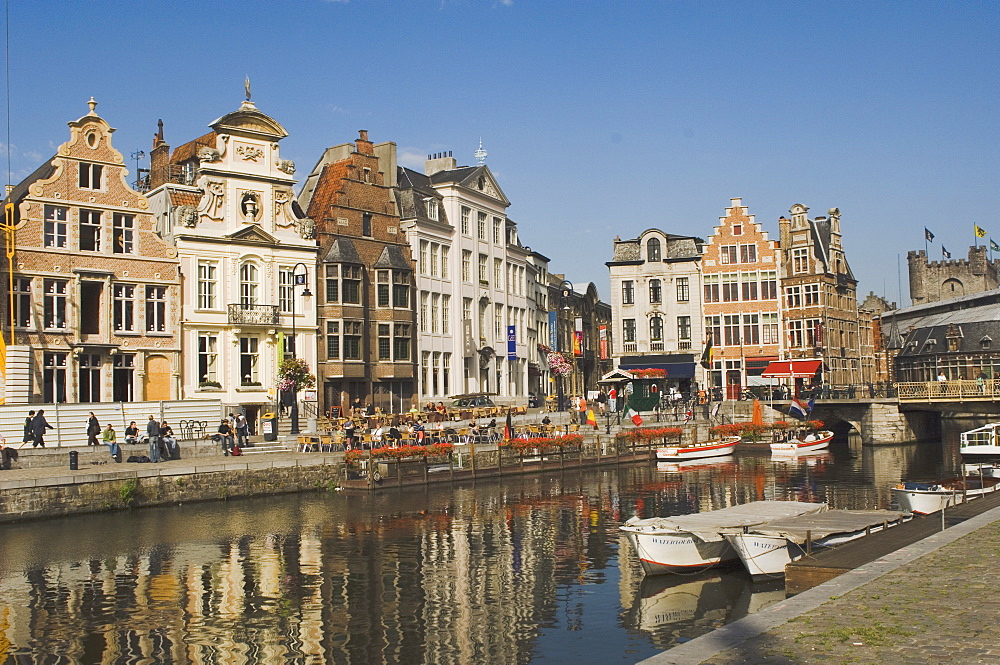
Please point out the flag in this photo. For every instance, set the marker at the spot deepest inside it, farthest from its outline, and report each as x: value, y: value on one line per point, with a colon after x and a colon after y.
x: 995, y: 247
x: 688, y: 415
x: 636, y: 418
x: 706, y: 355
x: 928, y: 235
x: 508, y: 428
x: 810, y: 405
x: 797, y: 409
x: 591, y: 418
x: 945, y: 253
x: 980, y: 233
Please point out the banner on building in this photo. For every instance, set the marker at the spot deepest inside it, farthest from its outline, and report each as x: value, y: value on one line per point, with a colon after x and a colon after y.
x: 469, y: 343
x: 553, y: 332
x: 602, y: 336
x: 511, y: 342
x: 578, y: 337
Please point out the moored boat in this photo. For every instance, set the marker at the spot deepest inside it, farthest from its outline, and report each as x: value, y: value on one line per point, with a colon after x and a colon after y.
x: 981, y: 443
x: 767, y: 548
x: 714, y: 448
x: 927, y: 498
x: 686, y: 543
x: 800, y: 445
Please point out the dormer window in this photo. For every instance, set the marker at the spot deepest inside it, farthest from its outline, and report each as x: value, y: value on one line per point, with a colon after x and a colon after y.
x: 432, y: 208
x: 653, y: 250
x: 366, y: 174
x: 985, y: 343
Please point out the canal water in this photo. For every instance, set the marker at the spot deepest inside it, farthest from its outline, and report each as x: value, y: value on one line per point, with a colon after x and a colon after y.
x: 524, y: 570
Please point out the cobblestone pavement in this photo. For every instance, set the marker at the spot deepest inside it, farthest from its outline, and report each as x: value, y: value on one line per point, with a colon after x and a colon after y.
x: 939, y: 608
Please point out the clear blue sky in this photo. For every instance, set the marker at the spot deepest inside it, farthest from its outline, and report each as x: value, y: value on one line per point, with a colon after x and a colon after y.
x: 600, y: 118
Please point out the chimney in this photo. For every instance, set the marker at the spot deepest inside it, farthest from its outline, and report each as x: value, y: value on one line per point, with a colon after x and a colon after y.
x: 439, y: 161
x: 364, y: 146
x: 159, y: 159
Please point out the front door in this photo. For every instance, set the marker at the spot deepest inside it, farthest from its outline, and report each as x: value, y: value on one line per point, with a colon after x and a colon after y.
x: 733, y: 385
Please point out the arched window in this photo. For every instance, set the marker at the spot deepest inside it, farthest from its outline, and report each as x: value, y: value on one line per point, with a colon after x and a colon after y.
x: 249, y: 283
x: 952, y: 288
x: 655, y: 294
x: 653, y: 249
x: 656, y: 329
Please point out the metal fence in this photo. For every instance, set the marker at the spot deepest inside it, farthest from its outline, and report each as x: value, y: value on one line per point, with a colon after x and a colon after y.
x: 959, y: 390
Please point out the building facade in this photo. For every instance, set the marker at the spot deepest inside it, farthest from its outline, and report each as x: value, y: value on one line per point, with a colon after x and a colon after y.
x: 741, y: 302
x: 95, y: 289
x: 247, y: 256
x: 366, y: 307
x: 931, y: 281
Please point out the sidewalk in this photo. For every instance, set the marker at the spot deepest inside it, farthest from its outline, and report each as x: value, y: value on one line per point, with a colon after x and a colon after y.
x: 932, y: 602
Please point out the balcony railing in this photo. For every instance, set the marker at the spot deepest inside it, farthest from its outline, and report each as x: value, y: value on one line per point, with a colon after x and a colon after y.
x: 253, y: 315
x: 631, y: 347
x: 958, y: 390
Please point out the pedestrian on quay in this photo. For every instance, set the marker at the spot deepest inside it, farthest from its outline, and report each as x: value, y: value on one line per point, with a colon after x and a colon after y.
x: 7, y: 454
x: 242, y: 430
x: 38, y: 427
x: 27, y: 429
x: 602, y: 402
x: 349, y: 434
x: 93, y: 430
x: 613, y: 399
x: 153, y: 439
x: 110, y: 438
x: 225, y: 434
x: 168, y: 443
x: 419, y: 431
x: 131, y: 433
x: 581, y: 405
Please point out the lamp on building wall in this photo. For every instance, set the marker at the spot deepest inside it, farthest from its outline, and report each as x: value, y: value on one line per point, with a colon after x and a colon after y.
x: 565, y: 297
x: 298, y: 279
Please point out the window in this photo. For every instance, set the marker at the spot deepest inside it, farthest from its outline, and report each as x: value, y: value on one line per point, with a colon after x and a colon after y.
x: 748, y: 253
x: 796, y: 338
x: 498, y: 330
x: 737, y: 229
x: 333, y: 340
x: 54, y: 378
x: 482, y: 269
x: 712, y: 288
x: 683, y: 289
x: 432, y: 209
x: 445, y: 317
x: 435, y: 248
x: 481, y: 226
x: 466, y: 309
x: 497, y: 274
x: 655, y: 293
x: 730, y: 288
x: 156, y: 309
x: 435, y: 373
x: 793, y: 296
x: 444, y: 262
x: 90, y: 175
x: 466, y: 265
x: 351, y: 284
x: 628, y: 292
x: 401, y: 341
x: 55, y: 304
x: 381, y: 288
x: 731, y: 329
x: 124, y: 307
x: 206, y: 284
x: 496, y: 230
x: 424, y: 251
x: 352, y: 340
x: 90, y: 230
x: 123, y: 380
x: 713, y: 329
x: 435, y: 312
x: 22, y: 302
x: 332, y: 284
x: 800, y: 260
x: 55, y: 226
x: 751, y: 329
x: 769, y: 285
x: 769, y: 328
x: 810, y: 293
x: 749, y: 283
x: 400, y: 289
x: 684, y: 328
x: 656, y: 329
x: 813, y: 329
x: 446, y: 373
x: 466, y: 213
x: 286, y: 288
x: 90, y: 377
x: 727, y: 254
x: 425, y: 361
x: 248, y: 284
x: 424, y: 300
x: 653, y: 249
x: 366, y: 224
x: 123, y: 231
x: 208, y: 357
x: 249, y: 356
x: 384, y: 342
x: 628, y: 330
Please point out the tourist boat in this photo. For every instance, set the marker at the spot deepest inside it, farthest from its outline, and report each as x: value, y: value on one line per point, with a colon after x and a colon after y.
x: 799, y: 445
x: 686, y: 543
x: 715, y: 448
x: 767, y: 548
x: 982, y: 443
x: 927, y: 498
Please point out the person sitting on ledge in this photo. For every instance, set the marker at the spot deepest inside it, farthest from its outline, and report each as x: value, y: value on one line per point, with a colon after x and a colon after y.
x: 131, y: 433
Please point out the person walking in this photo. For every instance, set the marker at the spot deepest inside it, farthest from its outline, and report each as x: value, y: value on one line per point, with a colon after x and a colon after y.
x: 581, y: 406
x: 93, y: 429
x: 242, y: 431
x: 38, y: 427
x: 27, y: 428
x: 153, y: 434
x: 613, y: 399
x: 349, y: 435
x: 602, y: 402
x: 110, y: 438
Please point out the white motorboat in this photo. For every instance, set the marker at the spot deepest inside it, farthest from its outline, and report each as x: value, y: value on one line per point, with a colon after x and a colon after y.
x: 800, y: 445
x: 982, y: 443
x: 927, y: 498
x: 686, y: 543
x: 767, y: 548
x: 714, y: 448
x: 983, y: 469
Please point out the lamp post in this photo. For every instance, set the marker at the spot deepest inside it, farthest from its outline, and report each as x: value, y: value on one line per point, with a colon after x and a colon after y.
x: 297, y: 280
x: 565, y: 292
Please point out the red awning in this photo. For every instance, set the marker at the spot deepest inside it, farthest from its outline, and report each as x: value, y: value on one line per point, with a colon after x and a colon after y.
x: 792, y: 369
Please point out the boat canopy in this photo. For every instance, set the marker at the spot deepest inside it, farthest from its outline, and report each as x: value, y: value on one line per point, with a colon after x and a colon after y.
x: 710, y: 526
x: 828, y: 523
x: 791, y: 369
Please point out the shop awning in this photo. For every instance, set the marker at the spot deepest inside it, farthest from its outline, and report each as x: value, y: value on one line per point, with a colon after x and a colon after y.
x: 792, y: 369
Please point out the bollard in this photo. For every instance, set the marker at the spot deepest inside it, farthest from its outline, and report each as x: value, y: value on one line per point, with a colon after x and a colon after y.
x: 74, y: 460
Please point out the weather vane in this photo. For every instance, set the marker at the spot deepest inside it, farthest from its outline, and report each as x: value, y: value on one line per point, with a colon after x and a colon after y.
x: 246, y: 87
x: 480, y: 154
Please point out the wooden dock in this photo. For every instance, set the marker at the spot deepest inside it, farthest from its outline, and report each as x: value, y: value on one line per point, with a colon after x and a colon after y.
x: 823, y: 565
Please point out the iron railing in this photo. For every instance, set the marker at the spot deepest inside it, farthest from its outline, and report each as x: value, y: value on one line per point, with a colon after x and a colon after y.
x: 959, y: 390
x: 253, y: 315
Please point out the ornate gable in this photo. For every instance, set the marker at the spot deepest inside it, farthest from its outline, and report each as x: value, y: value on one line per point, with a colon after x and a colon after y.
x: 253, y: 234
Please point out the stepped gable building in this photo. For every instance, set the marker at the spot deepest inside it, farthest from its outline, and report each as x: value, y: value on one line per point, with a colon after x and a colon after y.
x: 742, y: 307
x: 473, y: 303
x: 931, y: 281
x: 95, y: 288
x: 820, y: 299
x: 656, y: 303
x: 247, y: 255
x: 366, y: 306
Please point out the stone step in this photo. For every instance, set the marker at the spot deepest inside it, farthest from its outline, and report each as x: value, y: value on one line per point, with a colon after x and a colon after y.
x: 268, y: 447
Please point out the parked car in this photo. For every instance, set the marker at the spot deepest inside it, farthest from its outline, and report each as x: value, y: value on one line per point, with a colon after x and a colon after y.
x: 472, y: 402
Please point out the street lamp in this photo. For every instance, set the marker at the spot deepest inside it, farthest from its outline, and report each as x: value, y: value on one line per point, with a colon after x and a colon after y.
x: 565, y: 294
x: 297, y: 280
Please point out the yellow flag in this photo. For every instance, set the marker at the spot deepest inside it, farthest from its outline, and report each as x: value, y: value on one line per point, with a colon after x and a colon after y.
x: 980, y: 233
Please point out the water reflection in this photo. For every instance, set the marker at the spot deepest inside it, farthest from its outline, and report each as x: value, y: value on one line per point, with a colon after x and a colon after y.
x: 528, y: 571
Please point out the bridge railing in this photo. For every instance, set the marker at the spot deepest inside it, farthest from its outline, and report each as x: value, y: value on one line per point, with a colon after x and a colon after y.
x: 960, y: 390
